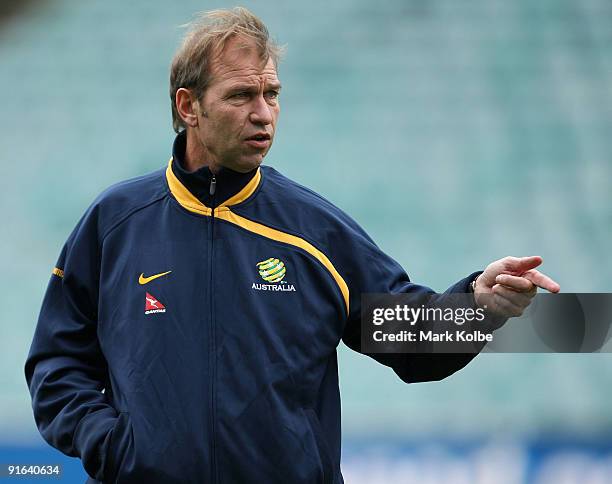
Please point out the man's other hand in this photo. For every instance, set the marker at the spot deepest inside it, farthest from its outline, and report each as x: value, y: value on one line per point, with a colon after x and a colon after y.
x: 508, y: 285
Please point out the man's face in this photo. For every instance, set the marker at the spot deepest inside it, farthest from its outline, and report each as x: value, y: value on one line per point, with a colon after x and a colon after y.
x: 239, y: 109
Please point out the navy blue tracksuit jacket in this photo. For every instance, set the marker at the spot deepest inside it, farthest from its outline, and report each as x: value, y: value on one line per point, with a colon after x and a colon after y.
x: 189, y: 332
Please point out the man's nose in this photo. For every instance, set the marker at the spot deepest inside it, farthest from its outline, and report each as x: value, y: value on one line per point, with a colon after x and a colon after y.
x: 261, y: 111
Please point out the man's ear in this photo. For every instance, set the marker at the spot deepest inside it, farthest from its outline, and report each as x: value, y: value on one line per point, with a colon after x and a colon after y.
x: 187, y: 106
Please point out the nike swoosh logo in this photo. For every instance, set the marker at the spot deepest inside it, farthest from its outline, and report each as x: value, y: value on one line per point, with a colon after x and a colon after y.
x: 142, y: 280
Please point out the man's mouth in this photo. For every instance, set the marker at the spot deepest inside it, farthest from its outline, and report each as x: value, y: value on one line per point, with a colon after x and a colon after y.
x: 259, y: 140
x: 259, y: 137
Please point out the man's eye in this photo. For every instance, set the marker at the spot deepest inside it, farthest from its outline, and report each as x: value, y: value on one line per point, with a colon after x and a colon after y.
x: 240, y: 95
x: 272, y: 94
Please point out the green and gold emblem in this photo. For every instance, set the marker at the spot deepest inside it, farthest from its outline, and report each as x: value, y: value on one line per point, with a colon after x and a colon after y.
x: 272, y: 270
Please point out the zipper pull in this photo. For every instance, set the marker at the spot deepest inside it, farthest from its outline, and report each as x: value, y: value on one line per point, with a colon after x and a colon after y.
x: 213, y: 185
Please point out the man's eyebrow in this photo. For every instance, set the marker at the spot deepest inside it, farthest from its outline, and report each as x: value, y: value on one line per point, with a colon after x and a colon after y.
x: 242, y: 87
x: 245, y: 86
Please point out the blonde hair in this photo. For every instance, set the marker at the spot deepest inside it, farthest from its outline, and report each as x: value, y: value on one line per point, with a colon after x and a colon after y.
x: 206, y: 37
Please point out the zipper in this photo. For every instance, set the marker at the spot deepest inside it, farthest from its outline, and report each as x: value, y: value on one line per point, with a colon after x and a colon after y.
x: 213, y: 188
x: 211, y: 360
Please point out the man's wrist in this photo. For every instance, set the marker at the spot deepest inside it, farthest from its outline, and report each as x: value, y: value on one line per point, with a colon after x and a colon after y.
x: 473, y: 284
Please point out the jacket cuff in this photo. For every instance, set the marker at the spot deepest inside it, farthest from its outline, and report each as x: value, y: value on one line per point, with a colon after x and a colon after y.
x: 463, y: 286
x: 91, y: 440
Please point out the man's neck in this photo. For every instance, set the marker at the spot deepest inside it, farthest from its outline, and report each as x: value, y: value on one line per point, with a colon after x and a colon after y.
x: 198, y: 180
x: 196, y: 155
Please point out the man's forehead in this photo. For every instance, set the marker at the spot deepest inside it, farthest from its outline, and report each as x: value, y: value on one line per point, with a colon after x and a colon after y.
x: 241, y: 57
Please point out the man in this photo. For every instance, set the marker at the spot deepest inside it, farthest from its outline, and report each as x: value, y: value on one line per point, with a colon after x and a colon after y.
x: 189, y: 330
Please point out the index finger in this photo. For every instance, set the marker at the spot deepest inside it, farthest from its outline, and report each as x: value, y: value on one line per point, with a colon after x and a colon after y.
x: 541, y: 280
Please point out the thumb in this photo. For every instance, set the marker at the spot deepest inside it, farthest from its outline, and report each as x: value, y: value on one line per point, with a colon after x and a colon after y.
x: 521, y: 264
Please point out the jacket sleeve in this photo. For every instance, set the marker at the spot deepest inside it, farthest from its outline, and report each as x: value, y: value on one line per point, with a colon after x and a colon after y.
x: 369, y: 270
x: 65, y: 370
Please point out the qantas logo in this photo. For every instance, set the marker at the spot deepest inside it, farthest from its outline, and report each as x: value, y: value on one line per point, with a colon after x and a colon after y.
x: 152, y: 305
x: 142, y: 280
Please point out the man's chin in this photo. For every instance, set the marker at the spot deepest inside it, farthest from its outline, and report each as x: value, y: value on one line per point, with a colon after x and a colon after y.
x: 246, y: 165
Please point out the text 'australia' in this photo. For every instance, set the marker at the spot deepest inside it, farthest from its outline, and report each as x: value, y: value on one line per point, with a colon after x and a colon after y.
x: 273, y: 287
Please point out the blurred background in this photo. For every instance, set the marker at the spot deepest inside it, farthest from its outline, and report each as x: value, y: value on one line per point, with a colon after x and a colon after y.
x: 482, y: 128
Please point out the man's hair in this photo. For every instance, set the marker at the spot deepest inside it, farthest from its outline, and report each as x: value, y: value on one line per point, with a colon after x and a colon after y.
x: 205, y: 38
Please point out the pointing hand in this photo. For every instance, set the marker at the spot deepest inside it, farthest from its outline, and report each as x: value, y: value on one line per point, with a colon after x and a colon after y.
x: 508, y: 285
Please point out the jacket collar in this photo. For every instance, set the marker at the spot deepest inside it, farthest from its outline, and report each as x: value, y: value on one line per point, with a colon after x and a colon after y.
x: 192, y: 189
